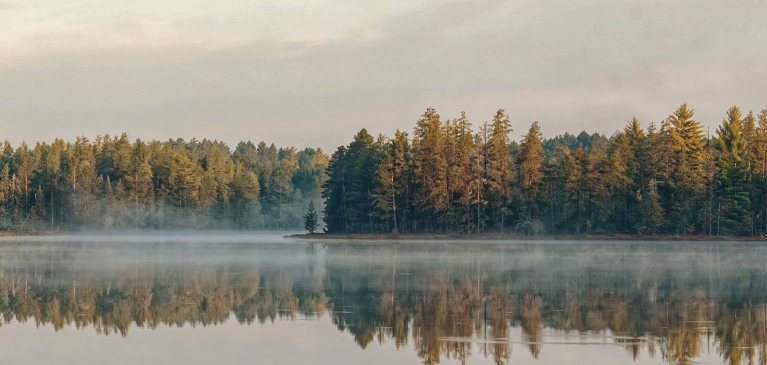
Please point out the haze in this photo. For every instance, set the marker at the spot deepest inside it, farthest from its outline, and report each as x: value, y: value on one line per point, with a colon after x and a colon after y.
x: 311, y: 73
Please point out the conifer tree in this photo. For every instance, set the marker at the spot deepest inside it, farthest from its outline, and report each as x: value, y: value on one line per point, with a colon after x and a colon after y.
x: 334, y: 191
x: 634, y: 168
x: 733, y: 174
x: 685, y: 180
x: 430, y: 165
x: 567, y: 189
x: 499, y: 165
x: 462, y: 171
x: 394, y: 178
x: 480, y: 175
x: 311, y: 220
x: 613, y: 181
x: 530, y: 162
x: 651, y: 210
x: 386, y: 191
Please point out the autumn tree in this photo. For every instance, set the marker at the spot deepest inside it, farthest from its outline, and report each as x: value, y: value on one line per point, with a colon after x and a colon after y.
x: 530, y: 162
x: 685, y: 180
x: 499, y: 165
x: 430, y: 166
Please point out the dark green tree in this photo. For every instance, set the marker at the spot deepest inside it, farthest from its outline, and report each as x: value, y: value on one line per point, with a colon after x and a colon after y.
x: 311, y: 220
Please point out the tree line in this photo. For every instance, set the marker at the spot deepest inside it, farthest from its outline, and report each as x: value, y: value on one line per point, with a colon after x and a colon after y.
x: 113, y: 183
x: 672, y: 178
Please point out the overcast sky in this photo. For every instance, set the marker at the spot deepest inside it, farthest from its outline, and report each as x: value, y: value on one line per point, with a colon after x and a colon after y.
x: 312, y: 73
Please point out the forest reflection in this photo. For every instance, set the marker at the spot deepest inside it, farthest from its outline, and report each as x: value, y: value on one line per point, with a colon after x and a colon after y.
x: 446, y: 302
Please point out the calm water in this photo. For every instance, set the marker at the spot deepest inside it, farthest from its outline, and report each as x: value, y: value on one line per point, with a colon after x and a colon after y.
x: 208, y: 299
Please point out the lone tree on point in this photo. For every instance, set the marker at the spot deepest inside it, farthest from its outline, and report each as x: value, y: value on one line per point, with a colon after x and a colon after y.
x: 311, y: 220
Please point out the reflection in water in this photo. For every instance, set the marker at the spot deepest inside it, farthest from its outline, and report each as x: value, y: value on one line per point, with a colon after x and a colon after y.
x: 670, y: 301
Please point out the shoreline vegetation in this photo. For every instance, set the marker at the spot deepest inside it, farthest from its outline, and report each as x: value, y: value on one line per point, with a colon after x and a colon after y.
x: 112, y: 183
x: 666, y: 180
x: 518, y: 237
x: 673, y: 179
x: 31, y: 233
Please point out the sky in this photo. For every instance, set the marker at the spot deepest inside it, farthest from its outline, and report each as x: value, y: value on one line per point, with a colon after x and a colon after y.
x: 313, y: 72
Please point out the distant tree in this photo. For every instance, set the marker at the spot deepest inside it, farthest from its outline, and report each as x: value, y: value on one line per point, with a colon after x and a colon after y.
x: 530, y: 162
x: 685, y: 181
x: 733, y: 175
x: 462, y: 173
x: 430, y: 166
x: 393, y: 178
x: 651, y: 210
x: 499, y: 165
x: 311, y: 220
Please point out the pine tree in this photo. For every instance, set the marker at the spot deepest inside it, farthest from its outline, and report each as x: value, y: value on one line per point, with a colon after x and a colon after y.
x: 733, y: 174
x: 393, y: 177
x: 651, y: 210
x: 567, y: 189
x: 530, y: 162
x: 685, y: 181
x: 386, y: 189
x: 333, y: 191
x: 311, y: 221
x: 244, y: 200
x: 613, y: 181
x: 499, y: 165
x: 463, y: 172
x: 430, y: 166
x: 759, y: 174
x: 635, y: 168
x: 760, y: 146
x: 139, y: 174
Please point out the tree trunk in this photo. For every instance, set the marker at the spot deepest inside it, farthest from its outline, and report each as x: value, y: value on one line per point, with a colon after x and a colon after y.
x: 394, y: 207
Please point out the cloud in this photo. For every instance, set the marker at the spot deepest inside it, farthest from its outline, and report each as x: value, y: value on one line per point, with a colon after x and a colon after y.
x: 8, y: 5
x: 315, y: 73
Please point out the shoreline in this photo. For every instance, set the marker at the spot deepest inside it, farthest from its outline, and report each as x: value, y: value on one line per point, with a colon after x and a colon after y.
x: 518, y: 237
x: 431, y: 237
x: 29, y: 233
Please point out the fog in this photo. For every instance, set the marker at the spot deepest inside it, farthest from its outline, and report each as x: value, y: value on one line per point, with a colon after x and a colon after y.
x: 151, y: 237
x: 425, y: 301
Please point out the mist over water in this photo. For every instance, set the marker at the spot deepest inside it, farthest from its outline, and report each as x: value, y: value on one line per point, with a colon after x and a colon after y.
x: 202, y: 298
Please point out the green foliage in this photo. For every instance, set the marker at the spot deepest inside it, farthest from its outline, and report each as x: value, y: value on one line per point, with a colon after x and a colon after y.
x: 311, y: 220
x: 667, y: 180
x: 111, y: 183
x: 530, y: 161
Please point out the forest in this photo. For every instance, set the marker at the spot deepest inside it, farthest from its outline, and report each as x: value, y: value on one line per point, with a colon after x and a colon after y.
x: 113, y: 183
x: 674, y: 178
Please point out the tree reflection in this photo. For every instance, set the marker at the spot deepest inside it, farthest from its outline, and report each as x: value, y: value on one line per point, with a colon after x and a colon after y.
x: 446, y: 305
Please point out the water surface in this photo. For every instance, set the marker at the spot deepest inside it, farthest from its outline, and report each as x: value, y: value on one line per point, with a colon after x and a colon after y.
x: 224, y: 299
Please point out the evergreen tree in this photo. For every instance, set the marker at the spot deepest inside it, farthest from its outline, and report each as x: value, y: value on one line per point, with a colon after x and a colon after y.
x: 733, y: 176
x: 613, y: 183
x: 634, y: 169
x: 651, y: 210
x: 530, y: 162
x: 685, y: 180
x: 393, y: 179
x: 462, y: 171
x: 430, y: 166
x: 759, y: 173
x: 311, y: 221
x: 334, y: 190
x: 499, y: 165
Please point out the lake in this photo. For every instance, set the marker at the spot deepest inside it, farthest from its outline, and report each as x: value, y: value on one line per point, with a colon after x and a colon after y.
x: 234, y: 298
